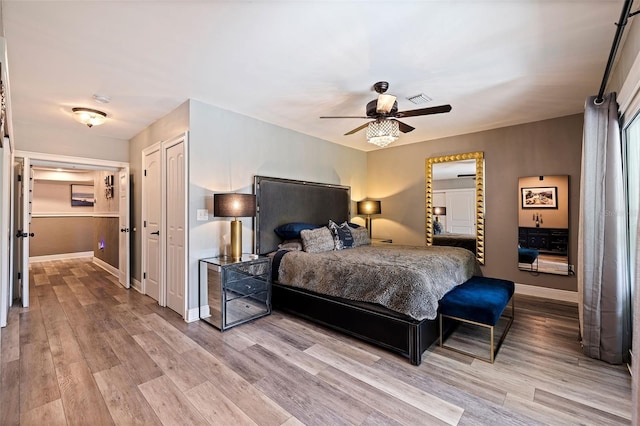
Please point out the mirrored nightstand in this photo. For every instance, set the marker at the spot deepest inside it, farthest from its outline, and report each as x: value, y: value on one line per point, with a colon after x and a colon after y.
x: 234, y: 292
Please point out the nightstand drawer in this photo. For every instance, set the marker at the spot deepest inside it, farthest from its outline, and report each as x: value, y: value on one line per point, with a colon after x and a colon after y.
x: 244, y: 308
x: 239, y: 284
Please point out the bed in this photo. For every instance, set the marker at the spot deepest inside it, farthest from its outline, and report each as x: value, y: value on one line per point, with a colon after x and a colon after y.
x: 456, y: 240
x: 281, y: 201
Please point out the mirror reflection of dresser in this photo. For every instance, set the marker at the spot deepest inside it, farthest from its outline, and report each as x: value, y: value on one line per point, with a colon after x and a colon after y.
x: 543, y: 224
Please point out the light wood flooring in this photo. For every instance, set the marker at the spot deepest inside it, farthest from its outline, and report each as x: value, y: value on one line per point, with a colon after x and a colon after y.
x: 89, y: 352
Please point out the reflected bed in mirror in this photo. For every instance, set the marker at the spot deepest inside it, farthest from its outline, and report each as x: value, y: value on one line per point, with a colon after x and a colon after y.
x: 543, y: 224
x: 455, y: 201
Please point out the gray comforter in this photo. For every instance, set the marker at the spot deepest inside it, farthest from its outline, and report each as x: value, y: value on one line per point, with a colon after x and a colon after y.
x: 409, y: 280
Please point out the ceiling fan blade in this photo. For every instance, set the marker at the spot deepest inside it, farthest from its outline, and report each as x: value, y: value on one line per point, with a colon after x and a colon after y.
x: 357, y: 129
x: 385, y: 103
x: 345, y: 116
x: 424, y: 111
x: 404, y: 128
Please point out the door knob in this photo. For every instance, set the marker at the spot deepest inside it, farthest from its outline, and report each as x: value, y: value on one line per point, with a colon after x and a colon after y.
x: 21, y: 234
x: 124, y: 229
x: 155, y: 233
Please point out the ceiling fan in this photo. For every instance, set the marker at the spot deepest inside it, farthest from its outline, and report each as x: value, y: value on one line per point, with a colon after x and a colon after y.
x: 384, y: 111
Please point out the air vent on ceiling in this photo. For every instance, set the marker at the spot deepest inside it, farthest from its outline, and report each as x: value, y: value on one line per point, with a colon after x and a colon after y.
x: 420, y: 98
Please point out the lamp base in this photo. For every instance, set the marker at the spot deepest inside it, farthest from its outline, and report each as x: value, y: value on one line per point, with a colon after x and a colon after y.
x: 236, y: 240
x: 367, y: 224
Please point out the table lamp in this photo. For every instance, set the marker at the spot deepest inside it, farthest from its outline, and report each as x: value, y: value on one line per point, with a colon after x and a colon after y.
x: 235, y: 206
x: 439, y: 211
x: 369, y: 207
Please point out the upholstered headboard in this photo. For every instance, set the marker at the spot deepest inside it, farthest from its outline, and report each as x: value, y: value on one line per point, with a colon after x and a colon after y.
x: 281, y: 201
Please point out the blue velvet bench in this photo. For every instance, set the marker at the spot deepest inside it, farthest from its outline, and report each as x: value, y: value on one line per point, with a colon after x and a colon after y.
x: 529, y: 256
x: 479, y: 301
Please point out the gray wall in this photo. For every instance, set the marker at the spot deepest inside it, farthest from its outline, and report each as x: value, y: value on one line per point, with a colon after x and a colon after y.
x: 82, y: 142
x: 552, y: 147
x: 225, y: 151
x: 172, y: 124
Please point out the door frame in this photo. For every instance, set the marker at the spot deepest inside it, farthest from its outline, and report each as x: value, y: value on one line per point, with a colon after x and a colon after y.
x: 55, y: 160
x: 6, y: 242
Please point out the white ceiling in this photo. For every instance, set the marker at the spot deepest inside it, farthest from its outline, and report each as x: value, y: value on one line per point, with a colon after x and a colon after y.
x: 498, y: 63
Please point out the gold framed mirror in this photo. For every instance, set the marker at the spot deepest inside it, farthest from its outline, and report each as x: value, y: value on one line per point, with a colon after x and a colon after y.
x: 459, y: 202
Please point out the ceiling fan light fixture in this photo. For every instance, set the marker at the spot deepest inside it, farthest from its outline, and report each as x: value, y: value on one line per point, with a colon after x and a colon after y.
x: 89, y: 117
x: 385, y: 103
x: 382, y: 132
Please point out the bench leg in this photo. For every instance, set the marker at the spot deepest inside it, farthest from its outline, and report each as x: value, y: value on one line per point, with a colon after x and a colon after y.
x: 492, y: 350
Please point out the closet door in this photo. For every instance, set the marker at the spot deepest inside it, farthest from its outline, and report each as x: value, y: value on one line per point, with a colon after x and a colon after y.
x: 175, y: 204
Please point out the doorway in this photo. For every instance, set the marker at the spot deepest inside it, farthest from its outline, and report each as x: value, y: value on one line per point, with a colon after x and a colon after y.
x: 22, y: 208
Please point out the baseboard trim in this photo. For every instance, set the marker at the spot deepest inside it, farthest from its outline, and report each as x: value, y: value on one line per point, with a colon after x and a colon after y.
x: 548, y: 293
x: 136, y: 285
x: 109, y: 268
x: 61, y: 256
x: 193, y: 314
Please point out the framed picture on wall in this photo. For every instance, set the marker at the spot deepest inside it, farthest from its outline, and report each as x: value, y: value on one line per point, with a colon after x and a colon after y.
x: 82, y: 195
x: 542, y: 197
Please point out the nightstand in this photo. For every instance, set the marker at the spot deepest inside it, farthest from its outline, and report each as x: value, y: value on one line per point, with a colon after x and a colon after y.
x: 234, y: 292
x: 375, y: 241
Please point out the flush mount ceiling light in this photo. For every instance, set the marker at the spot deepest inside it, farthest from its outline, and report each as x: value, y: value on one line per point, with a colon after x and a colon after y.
x: 88, y: 116
x: 382, y: 132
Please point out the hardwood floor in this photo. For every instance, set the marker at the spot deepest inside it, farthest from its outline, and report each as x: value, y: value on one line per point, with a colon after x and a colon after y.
x: 90, y: 352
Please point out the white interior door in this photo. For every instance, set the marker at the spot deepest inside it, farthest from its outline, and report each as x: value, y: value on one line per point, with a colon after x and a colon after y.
x: 124, y: 239
x: 151, y: 216
x: 22, y: 217
x: 461, y: 208
x: 174, y: 204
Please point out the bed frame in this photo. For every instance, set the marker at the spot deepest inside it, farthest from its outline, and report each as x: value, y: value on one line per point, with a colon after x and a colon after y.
x: 281, y: 201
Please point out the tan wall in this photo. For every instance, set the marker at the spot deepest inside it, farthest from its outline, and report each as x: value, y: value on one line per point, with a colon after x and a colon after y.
x: 105, y: 230
x: 54, y: 197
x: 552, y: 147
x: 551, y: 218
x: 104, y: 204
x: 60, y: 235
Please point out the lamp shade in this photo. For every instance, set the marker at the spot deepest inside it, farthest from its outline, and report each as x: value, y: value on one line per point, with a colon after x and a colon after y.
x: 369, y: 207
x: 440, y: 211
x: 234, y: 205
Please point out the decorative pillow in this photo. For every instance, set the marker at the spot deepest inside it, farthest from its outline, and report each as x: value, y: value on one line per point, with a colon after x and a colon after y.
x: 293, y: 245
x: 360, y: 237
x: 317, y: 240
x: 291, y: 231
x: 342, y: 236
